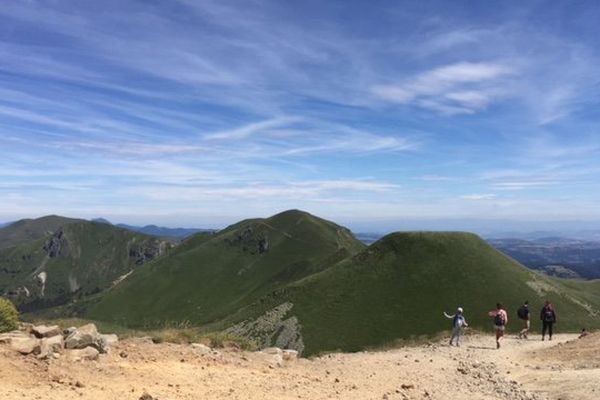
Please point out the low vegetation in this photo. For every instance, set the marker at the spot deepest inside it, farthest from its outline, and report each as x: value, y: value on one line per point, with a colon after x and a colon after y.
x: 9, y: 317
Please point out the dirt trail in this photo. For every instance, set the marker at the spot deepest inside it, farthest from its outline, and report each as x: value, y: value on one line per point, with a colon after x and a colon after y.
x: 519, y: 370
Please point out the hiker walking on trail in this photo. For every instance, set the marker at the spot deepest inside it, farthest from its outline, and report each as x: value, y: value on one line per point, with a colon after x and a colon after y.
x: 525, y: 316
x: 500, y: 321
x: 548, y: 317
x: 458, y: 323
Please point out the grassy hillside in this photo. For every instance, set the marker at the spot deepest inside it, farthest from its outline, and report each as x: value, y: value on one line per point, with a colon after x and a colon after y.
x: 399, y: 287
x: 296, y: 280
x: 210, y: 276
x: 31, y: 229
x: 76, y: 259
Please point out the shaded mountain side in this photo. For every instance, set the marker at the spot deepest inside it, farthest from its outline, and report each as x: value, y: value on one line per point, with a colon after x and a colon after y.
x: 31, y: 229
x: 399, y: 287
x: 210, y: 276
x: 77, y: 259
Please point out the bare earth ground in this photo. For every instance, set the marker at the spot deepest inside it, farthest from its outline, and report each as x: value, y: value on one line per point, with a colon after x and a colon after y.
x: 566, y: 368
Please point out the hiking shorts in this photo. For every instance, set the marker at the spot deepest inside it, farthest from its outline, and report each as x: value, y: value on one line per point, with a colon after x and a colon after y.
x: 500, y: 330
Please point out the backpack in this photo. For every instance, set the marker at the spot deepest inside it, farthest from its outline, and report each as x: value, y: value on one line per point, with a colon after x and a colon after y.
x: 458, y: 322
x: 548, y: 315
x: 522, y: 312
x: 498, y: 319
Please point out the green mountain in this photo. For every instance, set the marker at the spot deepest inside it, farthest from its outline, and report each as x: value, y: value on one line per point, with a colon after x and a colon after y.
x: 30, y: 229
x: 291, y: 280
x: 398, y: 288
x: 55, y: 260
x: 211, y: 276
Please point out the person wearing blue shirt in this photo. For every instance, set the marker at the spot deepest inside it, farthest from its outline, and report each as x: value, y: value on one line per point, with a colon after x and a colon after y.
x: 458, y: 323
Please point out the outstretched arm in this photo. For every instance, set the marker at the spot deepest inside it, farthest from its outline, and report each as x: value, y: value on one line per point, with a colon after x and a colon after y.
x: 448, y: 316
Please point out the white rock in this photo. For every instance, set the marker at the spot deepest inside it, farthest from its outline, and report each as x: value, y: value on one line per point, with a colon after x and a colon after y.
x: 68, y: 331
x: 42, y: 331
x: 50, y: 346
x: 26, y: 345
x: 87, y: 354
x: 273, y: 350
x: 277, y: 360
x: 290, y: 355
x: 110, y: 339
x: 270, y: 359
x: 201, y: 348
x: 84, y: 336
x: 6, y: 338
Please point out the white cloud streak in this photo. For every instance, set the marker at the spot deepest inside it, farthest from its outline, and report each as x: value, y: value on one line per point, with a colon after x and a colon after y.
x: 461, y: 88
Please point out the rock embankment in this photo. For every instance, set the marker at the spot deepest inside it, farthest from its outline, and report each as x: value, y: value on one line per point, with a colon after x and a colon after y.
x: 44, y: 342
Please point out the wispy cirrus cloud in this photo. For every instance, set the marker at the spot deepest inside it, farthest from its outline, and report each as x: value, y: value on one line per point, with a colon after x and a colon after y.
x: 479, y: 197
x: 461, y: 88
x: 222, y: 104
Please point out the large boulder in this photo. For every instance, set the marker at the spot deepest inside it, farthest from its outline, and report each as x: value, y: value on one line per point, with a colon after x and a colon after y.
x: 43, y: 331
x: 51, y: 345
x: 86, y: 354
x: 109, y: 339
x: 83, y: 337
x: 7, y: 338
x: 87, y: 336
x: 26, y: 345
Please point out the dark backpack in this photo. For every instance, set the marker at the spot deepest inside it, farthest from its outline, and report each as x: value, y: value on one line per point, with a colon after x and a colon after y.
x: 522, y: 312
x: 499, y: 319
x: 548, y: 315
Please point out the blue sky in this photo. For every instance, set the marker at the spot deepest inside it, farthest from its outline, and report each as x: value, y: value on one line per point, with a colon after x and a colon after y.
x: 199, y: 113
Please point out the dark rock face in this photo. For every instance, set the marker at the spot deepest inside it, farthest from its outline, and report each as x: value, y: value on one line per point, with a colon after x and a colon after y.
x: 147, y: 251
x: 251, y: 241
x: 57, y: 245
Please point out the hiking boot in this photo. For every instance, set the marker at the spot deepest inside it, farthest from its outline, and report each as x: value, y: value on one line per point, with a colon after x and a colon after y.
x: 497, y: 345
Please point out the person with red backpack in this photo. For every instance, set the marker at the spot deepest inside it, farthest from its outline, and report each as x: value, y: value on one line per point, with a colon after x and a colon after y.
x: 548, y: 317
x: 524, y: 315
x: 500, y: 317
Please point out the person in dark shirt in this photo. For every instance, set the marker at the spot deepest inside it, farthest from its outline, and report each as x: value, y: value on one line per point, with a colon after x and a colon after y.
x: 548, y: 317
x: 525, y: 316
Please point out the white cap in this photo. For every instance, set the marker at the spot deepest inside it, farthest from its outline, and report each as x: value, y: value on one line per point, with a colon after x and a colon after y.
x: 459, y: 309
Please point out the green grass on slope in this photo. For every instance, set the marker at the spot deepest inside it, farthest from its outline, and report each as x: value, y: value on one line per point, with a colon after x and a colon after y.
x: 26, y: 230
x: 88, y: 258
x: 399, y: 287
x: 208, y: 278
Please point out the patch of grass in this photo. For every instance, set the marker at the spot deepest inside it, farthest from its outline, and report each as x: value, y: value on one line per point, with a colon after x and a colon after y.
x: 222, y: 339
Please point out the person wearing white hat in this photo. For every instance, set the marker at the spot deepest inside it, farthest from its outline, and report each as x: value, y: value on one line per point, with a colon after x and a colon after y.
x: 458, y: 323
